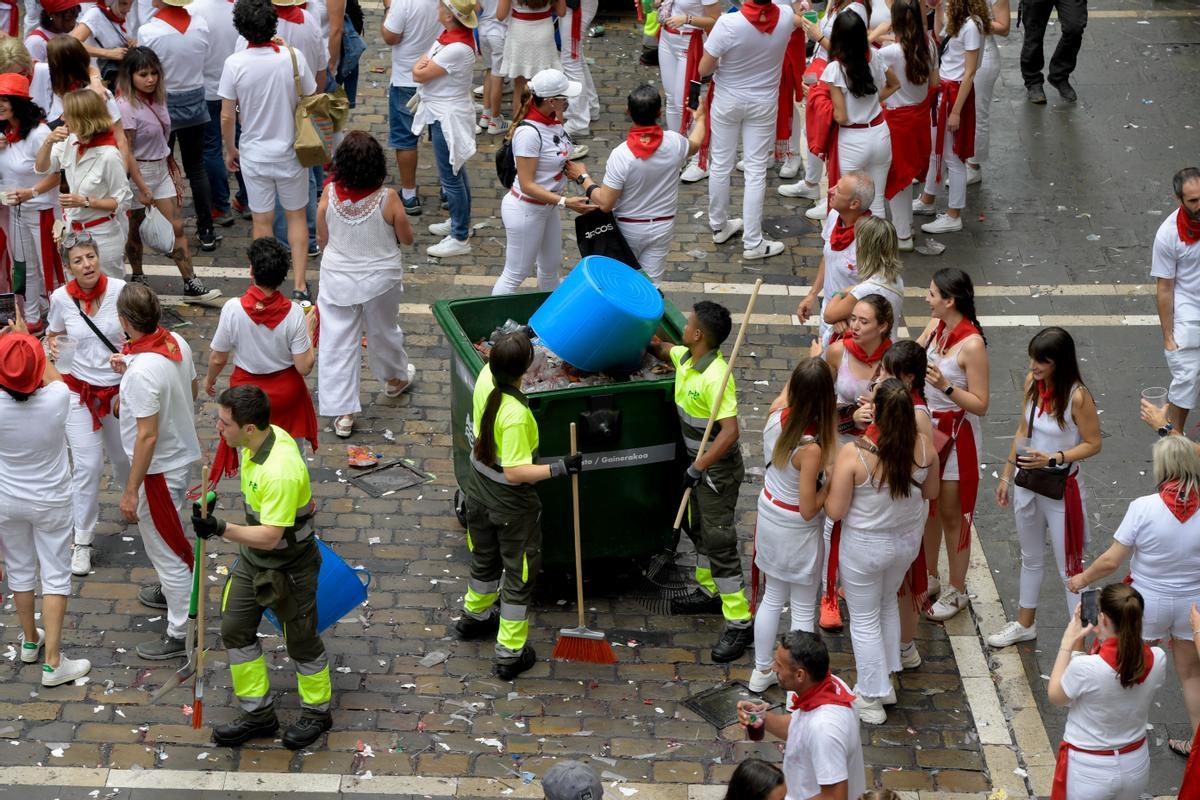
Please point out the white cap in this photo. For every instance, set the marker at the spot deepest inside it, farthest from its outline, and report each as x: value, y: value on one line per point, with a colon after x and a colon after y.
x: 552, y: 83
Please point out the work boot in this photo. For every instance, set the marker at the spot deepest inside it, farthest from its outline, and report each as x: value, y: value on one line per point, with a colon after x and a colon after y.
x: 163, y: 649
x: 507, y: 670
x: 649, y: 57
x: 307, y: 729
x: 246, y: 727
x: 732, y: 644
x: 696, y: 603
x: 469, y: 628
x: 152, y: 596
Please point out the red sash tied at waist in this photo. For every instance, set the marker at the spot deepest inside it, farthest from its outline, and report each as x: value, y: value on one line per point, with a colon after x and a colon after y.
x: 96, y: 399
x: 1074, y: 525
x: 525, y: 199
x: 964, y: 138
x: 530, y: 16
x: 818, y: 110
x: 166, y: 518
x: 776, y: 501
x: 872, y: 124
x: 835, y: 542
x: 1058, y: 790
x: 961, y: 437
x: 912, y: 144
x: 790, y: 81
x: 691, y: 72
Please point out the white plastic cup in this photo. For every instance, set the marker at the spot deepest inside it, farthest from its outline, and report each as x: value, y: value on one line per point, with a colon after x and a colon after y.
x: 66, y: 353
x: 1024, y: 447
x: 1155, y: 394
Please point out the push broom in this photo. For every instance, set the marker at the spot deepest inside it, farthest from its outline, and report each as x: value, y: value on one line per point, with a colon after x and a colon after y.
x: 581, y: 643
x: 198, y: 689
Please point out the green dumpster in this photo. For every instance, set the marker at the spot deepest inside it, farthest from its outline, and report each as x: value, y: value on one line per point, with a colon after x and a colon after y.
x: 628, y: 433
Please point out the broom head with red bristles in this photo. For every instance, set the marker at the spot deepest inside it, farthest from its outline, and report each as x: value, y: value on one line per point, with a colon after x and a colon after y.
x: 584, y: 645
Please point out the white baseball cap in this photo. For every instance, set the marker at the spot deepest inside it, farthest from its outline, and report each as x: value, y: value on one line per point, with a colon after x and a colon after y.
x: 552, y: 83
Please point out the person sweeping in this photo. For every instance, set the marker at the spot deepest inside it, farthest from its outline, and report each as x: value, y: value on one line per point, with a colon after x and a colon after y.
x: 277, y: 568
x: 504, y: 529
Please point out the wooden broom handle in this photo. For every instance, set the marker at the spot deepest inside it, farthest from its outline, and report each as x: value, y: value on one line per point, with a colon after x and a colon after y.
x: 578, y: 538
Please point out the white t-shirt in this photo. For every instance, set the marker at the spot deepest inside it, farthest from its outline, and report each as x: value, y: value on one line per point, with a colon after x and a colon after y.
x: 105, y: 33
x: 33, y: 448
x: 222, y: 38
x: 823, y: 748
x: 1166, y: 552
x: 16, y: 165
x: 954, y: 59
x: 417, y: 22
x: 305, y: 37
x: 1102, y: 713
x: 649, y: 187
x: 154, y: 384
x: 257, y: 348
x: 548, y: 144
x: 1181, y: 262
x: 892, y: 292
x: 183, y: 55
x: 749, y: 62
x: 908, y: 94
x: 839, y: 264
x: 859, y: 110
x: 826, y: 24
x: 458, y: 60
x: 261, y: 82
x: 91, y: 355
x: 37, y: 40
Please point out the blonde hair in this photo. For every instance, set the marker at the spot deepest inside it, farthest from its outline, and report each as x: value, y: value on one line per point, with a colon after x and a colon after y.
x: 14, y: 54
x: 878, y: 249
x: 1175, y: 459
x: 87, y: 113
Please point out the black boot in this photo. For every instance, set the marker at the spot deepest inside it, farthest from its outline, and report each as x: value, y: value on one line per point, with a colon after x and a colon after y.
x: 507, y: 670
x: 732, y: 644
x: 307, y: 729
x: 696, y: 603
x: 649, y: 57
x: 246, y: 727
x: 469, y: 628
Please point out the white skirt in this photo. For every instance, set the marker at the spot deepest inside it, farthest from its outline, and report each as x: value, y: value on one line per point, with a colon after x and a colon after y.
x: 785, y: 546
x: 529, y: 48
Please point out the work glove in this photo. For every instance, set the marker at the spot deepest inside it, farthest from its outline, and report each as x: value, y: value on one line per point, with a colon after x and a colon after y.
x: 571, y: 465
x: 691, y: 477
x: 210, y: 526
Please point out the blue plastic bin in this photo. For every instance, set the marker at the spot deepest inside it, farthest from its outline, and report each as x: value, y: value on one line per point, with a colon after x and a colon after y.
x: 601, y: 317
x: 340, y: 588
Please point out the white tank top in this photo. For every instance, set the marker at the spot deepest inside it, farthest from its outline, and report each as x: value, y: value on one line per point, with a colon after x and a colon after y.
x: 1047, y: 436
x: 874, y: 510
x: 782, y: 482
x: 362, y: 259
x: 848, y: 387
x: 948, y: 364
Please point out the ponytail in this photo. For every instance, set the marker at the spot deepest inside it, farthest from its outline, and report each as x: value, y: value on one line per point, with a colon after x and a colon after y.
x: 897, y: 422
x: 1123, y: 605
x: 485, y: 442
x: 954, y: 284
x: 510, y: 357
x: 527, y: 100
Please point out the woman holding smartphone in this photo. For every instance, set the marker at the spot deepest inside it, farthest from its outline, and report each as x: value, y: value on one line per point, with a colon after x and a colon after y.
x: 1059, y: 427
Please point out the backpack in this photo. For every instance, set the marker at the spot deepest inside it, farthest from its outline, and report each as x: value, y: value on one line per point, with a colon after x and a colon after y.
x: 506, y: 162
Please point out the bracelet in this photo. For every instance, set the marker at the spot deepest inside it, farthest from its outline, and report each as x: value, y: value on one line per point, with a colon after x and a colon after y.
x: 1062, y: 460
x: 689, y: 20
x: 562, y: 200
x: 87, y: 201
x: 33, y: 192
x: 1006, y: 480
x: 588, y: 191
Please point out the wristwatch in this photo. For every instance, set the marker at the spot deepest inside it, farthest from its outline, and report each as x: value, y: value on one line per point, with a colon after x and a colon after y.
x: 562, y: 200
x: 582, y: 178
x: 949, y: 390
x: 1165, y: 430
x: 1052, y: 462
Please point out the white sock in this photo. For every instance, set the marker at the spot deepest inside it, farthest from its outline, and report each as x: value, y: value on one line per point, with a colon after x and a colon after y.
x: 408, y: 194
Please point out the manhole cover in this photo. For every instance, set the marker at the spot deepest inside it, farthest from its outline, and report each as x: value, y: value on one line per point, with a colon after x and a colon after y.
x: 171, y: 319
x: 718, y: 706
x: 791, y: 225
x: 389, y: 478
x: 653, y: 638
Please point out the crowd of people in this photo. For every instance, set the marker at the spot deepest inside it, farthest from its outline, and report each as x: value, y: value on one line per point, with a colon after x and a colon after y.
x: 870, y: 451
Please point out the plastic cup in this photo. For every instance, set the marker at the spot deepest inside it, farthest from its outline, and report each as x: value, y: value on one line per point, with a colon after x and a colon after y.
x: 1155, y: 394
x: 811, y: 16
x: 757, y: 728
x: 66, y: 353
x: 1024, y: 447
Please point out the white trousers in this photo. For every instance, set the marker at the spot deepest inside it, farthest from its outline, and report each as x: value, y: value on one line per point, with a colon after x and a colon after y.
x: 580, y: 110
x: 534, y: 236
x: 26, y: 223
x: 650, y: 242
x: 753, y: 123
x: 814, y: 168
x: 340, y: 364
x: 985, y: 90
x: 672, y: 68
x: 34, y: 540
x: 1039, y: 518
x: 1119, y: 777
x: 803, y: 602
x: 900, y: 208
x: 173, y: 574
x: 88, y: 449
x: 797, y: 145
x: 868, y: 150
x: 954, y: 167
x: 872, y: 567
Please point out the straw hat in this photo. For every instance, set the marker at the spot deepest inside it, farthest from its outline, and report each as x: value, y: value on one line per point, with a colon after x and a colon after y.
x: 177, y: 3
x: 22, y: 362
x: 463, y: 11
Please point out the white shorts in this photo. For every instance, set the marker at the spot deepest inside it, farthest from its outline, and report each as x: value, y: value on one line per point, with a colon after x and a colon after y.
x: 1166, y: 615
x: 157, y: 176
x: 491, y: 47
x: 37, y: 541
x: 267, y: 180
x: 1184, y: 364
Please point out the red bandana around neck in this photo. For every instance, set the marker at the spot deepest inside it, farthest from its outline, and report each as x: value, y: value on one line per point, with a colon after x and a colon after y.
x: 106, y: 139
x: 916, y: 398
x: 458, y: 34
x: 178, y: 18
x: 1188, y: 226
x: 536, y: 115
x: 764, y: 17
x: 1045, y: 396
x: 290, y: 14
x: 1107, y: 650
x: 86, y: 296
x: 855, y: 349
x: 264, y: 310
x: 1183, y: 506
x: 111, y: 15
x: 351, y: 195
x: 270, y: 44
x: 12, y: 131
x: 871, y: 434
x: 961, y: 331
x: 160, y: 342
x: 842, y: 235
x: 829, y: 692
x: 643, y: 140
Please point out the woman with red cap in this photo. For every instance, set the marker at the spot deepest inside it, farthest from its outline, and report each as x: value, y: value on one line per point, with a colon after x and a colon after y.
x: 35, y: 499
x: 58, y: 19
x: 31, y: 199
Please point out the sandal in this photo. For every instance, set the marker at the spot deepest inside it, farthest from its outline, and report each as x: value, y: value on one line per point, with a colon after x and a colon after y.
x: 391, y: 392
x: 1181, y: 747
x: 343, y: 426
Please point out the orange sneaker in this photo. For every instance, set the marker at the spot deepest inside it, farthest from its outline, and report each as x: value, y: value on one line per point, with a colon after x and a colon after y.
x: 831, y: 615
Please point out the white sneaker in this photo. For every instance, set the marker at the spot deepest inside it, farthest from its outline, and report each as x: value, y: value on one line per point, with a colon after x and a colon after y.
x: 818, y: 212
x: 740, y: 166
x: 440, y: 228
x: 577, y: 152
x: 921, y: 207
x: 791, y: 167
x: 498, y: 125
x: 761, y: 681
x: 31, y: 650
x: 482, y: 123
x: 477, y: 91
x: 943, y: 223
x: 890, y: 698
x: 68, y: 669
x: 810, y: 191
x: 870, y: 711
x: 693, y: 173
x: 1012, y: 633
x: 732, y: 227
x: 81, y: 560
x: 935, y: 586
x: 766, y: 248
x: 910, y: 656
x: 449, y: 247
x: 950, y: 603
x: 974, y: 174
x: 905, y: 245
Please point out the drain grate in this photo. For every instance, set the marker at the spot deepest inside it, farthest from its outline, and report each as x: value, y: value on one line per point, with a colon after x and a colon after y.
x: 389, y: 478
x: 718, y: 706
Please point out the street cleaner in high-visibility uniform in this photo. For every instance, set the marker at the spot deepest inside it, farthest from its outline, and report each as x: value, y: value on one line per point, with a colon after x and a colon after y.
x: 714, y: 476
x: 504, y: 513
x: 277, y: 568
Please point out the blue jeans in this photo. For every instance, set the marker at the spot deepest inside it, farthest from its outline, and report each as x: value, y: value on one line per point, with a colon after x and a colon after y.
x: 456, y: 187
x: 214, y: 159
x: 316, y: 176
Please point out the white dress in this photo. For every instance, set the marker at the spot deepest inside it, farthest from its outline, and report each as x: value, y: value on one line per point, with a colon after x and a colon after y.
x: 529, y: 46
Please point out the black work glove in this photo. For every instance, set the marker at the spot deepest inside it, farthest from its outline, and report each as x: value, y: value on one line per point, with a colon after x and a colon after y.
x: 691, y: 477
x: 210, y: 526
x: 571, y: 465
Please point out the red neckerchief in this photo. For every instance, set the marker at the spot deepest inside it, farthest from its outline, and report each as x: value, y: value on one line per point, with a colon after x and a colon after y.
x: 811, y: 430
x: 643, y: 140
x: 871, y: 434
x: 1107, y: 650
x: 106, y: 139
x: 962, y: 330
x: 842, y: 235
x: 270, y: 44
x: 826, y: 693
x: 535, y: 115
x: 1183, y: 506
x: 1189, y: 228
x: 763, y: 16
x: 916, y: 398
x: 159, y: 342
x: 290, y: 14
x: 351, y: 195
x: 458, y: 34
x: 855, y: 349
x: 176, y: 17
x: 1045, y: 395
x: 85, y: 296
x: 264, y: 310
x: 111, y: 16
x: 12, y: 131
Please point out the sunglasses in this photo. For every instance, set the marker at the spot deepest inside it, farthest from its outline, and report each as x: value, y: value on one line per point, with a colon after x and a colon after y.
x: 78, y: 238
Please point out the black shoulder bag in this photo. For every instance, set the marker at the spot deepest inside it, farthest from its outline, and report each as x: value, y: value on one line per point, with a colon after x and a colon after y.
x: 1047, y: 481
x: 95, y: 330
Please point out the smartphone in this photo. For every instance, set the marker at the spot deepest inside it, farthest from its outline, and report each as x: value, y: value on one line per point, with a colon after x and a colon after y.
x: 693, y: 95
x: 8, y: 308
x: 1090, y: 612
